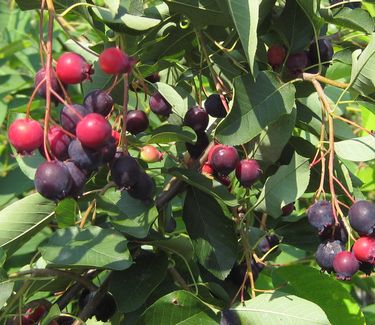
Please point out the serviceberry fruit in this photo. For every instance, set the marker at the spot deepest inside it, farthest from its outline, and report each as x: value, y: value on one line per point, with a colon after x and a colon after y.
x: 108, y: 151
x: 288, y: 209
x: 207, y: 169
x: 214, y: 106
x: 223, y: 179
x: 297, y: 62
x: 320, y: 215
x: 99, y: 101
x: 248, y: 172
x: 143, y: 189
x: 338, y: 233
x: 136, y: 121
x: 362, y: 217
x: 79, y: 178
x: 159, y: 105
x: 345, y: 265
x: 150, y: 154
x: 35, y: 314
x: 125, y: 171
x: 85, y: 158
x: 276, y: 55
x: 196, y: 149
x: 364, y: 249
x: 268, y: 242
x: 114, y: 61
x: 58, y: 142
x: 52, y: 180
x: 225, y: 160
x: 71, y: 115
x: 55, y: 85
x: 212, y: 150
x: 239, y: 272
x: 325, y: 51
x: 196, y: 118
x: 326, y: 253
x: 71, y: 68
x: 25, y: 135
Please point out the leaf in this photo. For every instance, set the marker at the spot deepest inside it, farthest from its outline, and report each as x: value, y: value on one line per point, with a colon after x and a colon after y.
x: 211, y: 233
x: 6, y: 289
x: 337, y: 302
x: 28, y: 164
x: 356, y: 149
x: 66, y: 212
x: 280, y: 308
x: 22, y: 220
x: 369, y: 312
x: 285, y: 186
x: 172, y: 133
x: 179, y: 307
x: 255, y: 106
x: 245, y: 15
x: 132, y: 287
x: 180, y: 245
x: 127, y: 214
x: 3, y: 257
x: 91, y: 247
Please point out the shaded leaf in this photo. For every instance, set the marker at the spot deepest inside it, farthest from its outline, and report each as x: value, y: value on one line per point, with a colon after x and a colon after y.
x: 357, y: 149
x: 172, y: 133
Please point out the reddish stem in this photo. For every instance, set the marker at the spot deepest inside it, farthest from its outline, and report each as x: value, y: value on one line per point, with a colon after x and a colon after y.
x: 124, y: 143
x: 344, y: 189
x: 69, y: 106
x: 33, y: 96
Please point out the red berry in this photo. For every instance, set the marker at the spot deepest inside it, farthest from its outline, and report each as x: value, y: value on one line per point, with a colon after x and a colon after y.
x: 115, y: 61
x: 58, y: 143
x: 212, y: 150
x: 247, y: 172
x: 71, y: 68
x: 276, y: 55
x: 25, y: 135
x: 225, y: 160
x: 345, y: 265
x: 150, y: 154
x: 364, y: 249
x: 35, y: 314
x: 93, y: 131
x: 207, y: 169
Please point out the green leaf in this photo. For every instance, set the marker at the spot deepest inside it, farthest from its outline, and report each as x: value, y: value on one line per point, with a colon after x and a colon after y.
x: 179, y: 307
x: 285, y: 186
x: 323, y: 290
x: 91, y: 247
x: 22, y: 220
x: 6, y: 289
x: 255, y: 106
x: 172, y: 133
x: 280, y: 308
x: 211, y: 232
x: 132, y: 287
x: 127, y: 214
x: 28, y: 164
x: 357, y: 149
x: 180, y: 245
x: 3, y: 257
x: 369, y: 312
x: 179, y: 106
x: 66, y: 212
x: 245, y: 14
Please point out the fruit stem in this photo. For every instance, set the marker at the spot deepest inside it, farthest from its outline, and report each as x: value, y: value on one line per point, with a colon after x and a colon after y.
x: 69, y: 106
x: 322, y: 158
x: 33, y: 96
x: 124, y: 143
x: 178, y: 278
x: 247, y: 253
x: 344, y: 189
x: 87, y: 213
x: 41, y: 40
x: 310, y: 77
x: 352, y: 123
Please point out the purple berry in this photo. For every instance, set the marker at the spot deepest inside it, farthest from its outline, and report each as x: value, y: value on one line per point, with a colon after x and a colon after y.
x: 159, y: 105
x: 362, y: 217
x: 214, y: 106
x: 345, y: 265
x: 326, y: 253
x: 320, y: 215
x: 98, y: 101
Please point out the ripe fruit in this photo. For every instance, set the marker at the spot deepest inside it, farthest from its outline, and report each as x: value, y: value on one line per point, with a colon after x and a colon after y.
x: 212, y: 150
x: 196, y: 149
x: 58, y: 143
x: 320, y: 215
x: 207, y: 169
x: 150, y: 154
x: 78, y: 177
x: 267, y: 243
x: 52, y: 180
x: 105, y: 308
x: 55, y: 85
x: 98, y: 101
x: 71, y: 68
x: 325, y: 51
x: 239, y: 271
x: 288, y: 209
x: 108, y: 151
x: 362, y: 217
x: 214, y: 106
x: 84, y: 158
x: 70, y: 116
x: 159, y: 105
x: 248, y: 172
x: 364, y: 249
x: 143, y: 189
x: 93, y: 131
x: 225, y: 160
x: 276, y: 55
x: 196, y: 118
x: 297, y: 62
x: 25, y: 135
x: 326, y: 253
x: 35, y: 314
x: 345, y: 265
x: 125, y: 171
x: 136, y: 121
x: 114, y: 61
x: 223, y: 179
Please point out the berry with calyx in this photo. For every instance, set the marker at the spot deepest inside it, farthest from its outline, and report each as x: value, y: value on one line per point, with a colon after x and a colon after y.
x: 93, y: 131
x: 297, y: 62
x: 364, y: 249
x: 55, y: 85
x: 345, y: 265
x: 85, y: 158
x: 78, y: 177
x: 207, y: 169
x: 114, y: 61
x: 136, y: 121
x: 196, y: 149
x: 288, y: 209
x: 143, y: 189
x: 196, y: 118
x: 108, y: 151
x: 276, y: 55
x: 58, y: 143
x: 325, y: 51
x: 212, y: 150
x: 52, y: 180
x: 267, y: 243
x: 99, y: 101
x: 159, y: 105
x: 25, y: 135
x: 214, y: 106
x: 326, y: 253
x: 225, y: 160
x: 150, y: 154
x: 362, y: 217
x: 71, y: 115
x: 125, y: 171
x: 248, y: 172
x: 320, y: 215
x: 71, y: 68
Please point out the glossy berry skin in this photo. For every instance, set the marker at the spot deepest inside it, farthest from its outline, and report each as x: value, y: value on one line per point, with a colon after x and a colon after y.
x: 150, y: 154
x: 125, y: 171
x: 212, y: 150
x: 248, y: 172
x: 58, y: 143
x: 362, y: 217
x: 108, y: 151
x: 85, y: 158
x: 325, y: 51
x: 225, y: 160
x: 79, y: 178
x: 52, y: 180
x: 93, y: 131
x: 196, y: 149
x: 214, y: 106
x: 276, y: 55
x: 55, y: 85
x: 159, y: 105
x: 364, y: 249
x: 207, y: 169
x: 326, y: 253
x: 114, y: 61
x: 297, y: 62
x: 287, y: 209
x: 98, y: 101
x: 71, y: 68
x: 104, y: 310
x: 320, y: 215
x: 136, y: 122
x: 345, y: 265
x: 25, y: 135
x: 143, y: 189
x: 196, y: 118
x: 70, y: 116
x: 267, y: 243
x: 35, y: 314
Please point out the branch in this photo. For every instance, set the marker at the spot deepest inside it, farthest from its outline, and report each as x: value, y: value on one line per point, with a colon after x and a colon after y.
x: 311, y: 77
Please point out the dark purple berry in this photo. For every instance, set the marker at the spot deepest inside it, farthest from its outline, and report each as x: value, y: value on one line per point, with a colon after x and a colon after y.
x: 326, y: 253
x: 143, y: 189
x: 136, y: 121
x: 104, y: 310
x: 125, y: 171
x: 288, y: 209
x: 366, y: 268
x: 297, y: 62
x: 70, y: 116
x: 108, y: 151
x: 267, y: 243
x: 99, y: 101
x: 84, y: 158
x: 225, y: 159
x: 196, y: 118
x: 345, y: 265
x: 196, y: 149
x: 55, y: 85
x: 78, y: 177
x: 214, y: 106
x: 58, y: 143
x: 239, y: 271
x: 159, y: 105
x: 325, y: 51
x: 320, y: 215
x: 248, y: 172
x: 362, y: 217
